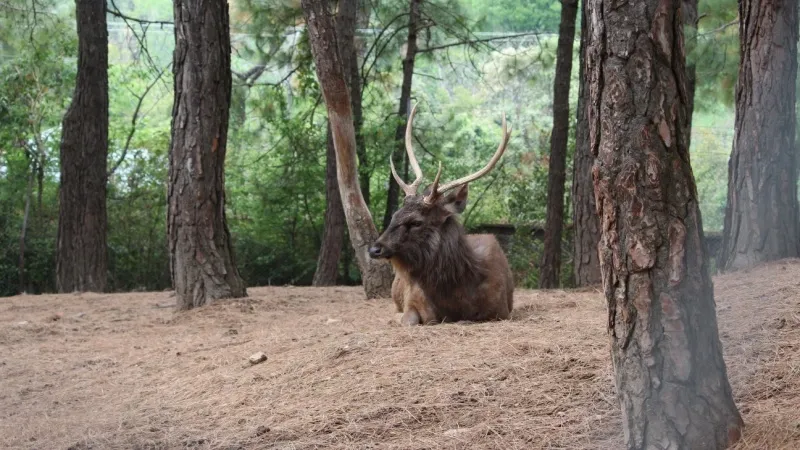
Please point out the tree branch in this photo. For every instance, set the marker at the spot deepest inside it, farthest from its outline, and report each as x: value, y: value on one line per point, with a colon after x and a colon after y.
x: 476, y: 41
x: 117, y: 13
x: 134, y: 119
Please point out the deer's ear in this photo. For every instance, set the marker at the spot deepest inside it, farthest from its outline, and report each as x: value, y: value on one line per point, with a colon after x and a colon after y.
x: 456, y: 202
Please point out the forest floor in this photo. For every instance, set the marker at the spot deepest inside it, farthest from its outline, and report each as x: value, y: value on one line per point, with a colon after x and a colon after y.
x: 125, y: 371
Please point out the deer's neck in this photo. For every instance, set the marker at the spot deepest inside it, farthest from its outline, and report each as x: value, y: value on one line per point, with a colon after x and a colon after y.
x: 453, y: 267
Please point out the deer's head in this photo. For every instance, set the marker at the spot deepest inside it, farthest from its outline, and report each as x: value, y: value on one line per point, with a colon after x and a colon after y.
x: 425, y: 221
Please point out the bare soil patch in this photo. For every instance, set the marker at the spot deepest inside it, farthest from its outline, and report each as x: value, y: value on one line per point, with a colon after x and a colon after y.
x: 124, y: 371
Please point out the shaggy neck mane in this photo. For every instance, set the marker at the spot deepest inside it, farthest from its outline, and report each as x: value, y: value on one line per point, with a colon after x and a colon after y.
x: 450, y: 267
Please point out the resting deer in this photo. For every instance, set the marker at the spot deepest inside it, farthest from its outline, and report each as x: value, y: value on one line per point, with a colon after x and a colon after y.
x: 443, y: 274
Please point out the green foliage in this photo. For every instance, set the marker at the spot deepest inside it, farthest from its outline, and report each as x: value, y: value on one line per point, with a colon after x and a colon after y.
x: 516, y: 15
x: 275, y: 164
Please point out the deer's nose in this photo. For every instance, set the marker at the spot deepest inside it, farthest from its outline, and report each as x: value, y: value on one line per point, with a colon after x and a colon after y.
x: 376, y: 251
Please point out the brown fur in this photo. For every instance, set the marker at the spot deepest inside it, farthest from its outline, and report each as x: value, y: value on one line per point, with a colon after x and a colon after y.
x: 441, y: 273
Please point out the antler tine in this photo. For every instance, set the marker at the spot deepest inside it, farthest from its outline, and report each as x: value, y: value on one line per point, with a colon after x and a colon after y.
x: 406, y: 188
x: 434, y: 193
x: 470, y: 178
x: 412, y: 158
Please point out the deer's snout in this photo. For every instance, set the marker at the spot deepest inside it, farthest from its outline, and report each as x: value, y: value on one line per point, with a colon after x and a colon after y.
x: 379, y: 251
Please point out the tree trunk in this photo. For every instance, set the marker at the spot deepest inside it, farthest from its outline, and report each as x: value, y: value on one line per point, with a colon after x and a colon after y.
x: 351, y: 49
x: 399, y: 155
x: 376, y: 275
x: 586, y: 226
x: 81, y: 253
x: 761, y: 218
x: 333, y: 235
x: 202, y: 262
x: 550, y: 272
x: 670, y: 376
x: 23, y: 232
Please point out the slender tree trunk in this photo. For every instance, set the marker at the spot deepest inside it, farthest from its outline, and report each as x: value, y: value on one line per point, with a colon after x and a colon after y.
x: 24, y: 230
x: 671, y: 379
x: 761, y: 218
x: 550, y: 272
x: 333, y: 235
x: 376, y: 275
x: 352, y: 65
x: 202, y: 262
x: 586, y: 226
x: 398, y: 155
x: 81, y: 253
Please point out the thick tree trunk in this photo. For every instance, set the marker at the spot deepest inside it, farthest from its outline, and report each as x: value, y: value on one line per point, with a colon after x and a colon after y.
x: 586, y: 226
x: 761, y: 218
x: 333, y: 235
x: 202, y: 262
x: 671, y: 379
x: 81, y: 253
x: 550, y: 272
x: 399, y: 155
x: 376, y: 275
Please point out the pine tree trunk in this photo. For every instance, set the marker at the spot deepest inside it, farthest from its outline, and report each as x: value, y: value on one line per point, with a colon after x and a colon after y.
x: 670, y: 376
x: 81, y: 253
x: 333, y: 235
x: 550, y: 273
x: 202, y: 262
x: 586, y: 225
x: 376, y: 275
x: 398, y: 155
x: 761, y: 218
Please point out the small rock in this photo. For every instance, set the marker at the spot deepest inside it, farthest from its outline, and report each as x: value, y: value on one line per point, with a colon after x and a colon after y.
x: 262, y: 430
x: 330, y: 321
x: 456, y: 431
x: 23, y: 323
x: 257, y: 358
x: 80, y: 315
x: 54, y: 318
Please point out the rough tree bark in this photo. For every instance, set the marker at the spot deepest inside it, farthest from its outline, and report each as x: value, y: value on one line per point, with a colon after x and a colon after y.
x: 670, y: 376
x: 81, y: 253
x: 333, y: 233
x: 550, y: 271
x: 376, y: 276
x: 761, y: 218
x: 586, y: 226
x: 202, y: 262
x: 398, y: 155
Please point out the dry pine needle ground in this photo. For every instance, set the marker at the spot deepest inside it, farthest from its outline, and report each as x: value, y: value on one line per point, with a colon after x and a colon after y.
x: 124, y: 371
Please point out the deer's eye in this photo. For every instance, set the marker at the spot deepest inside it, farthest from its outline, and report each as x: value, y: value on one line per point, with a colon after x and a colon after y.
x: 415, y: 224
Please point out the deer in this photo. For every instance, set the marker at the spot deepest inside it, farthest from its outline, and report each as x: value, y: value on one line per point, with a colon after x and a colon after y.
x: 443, y: 274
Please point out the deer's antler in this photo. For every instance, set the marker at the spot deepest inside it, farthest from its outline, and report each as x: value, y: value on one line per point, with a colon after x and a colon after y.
x: 409, y: 189
x: 436, y: 190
